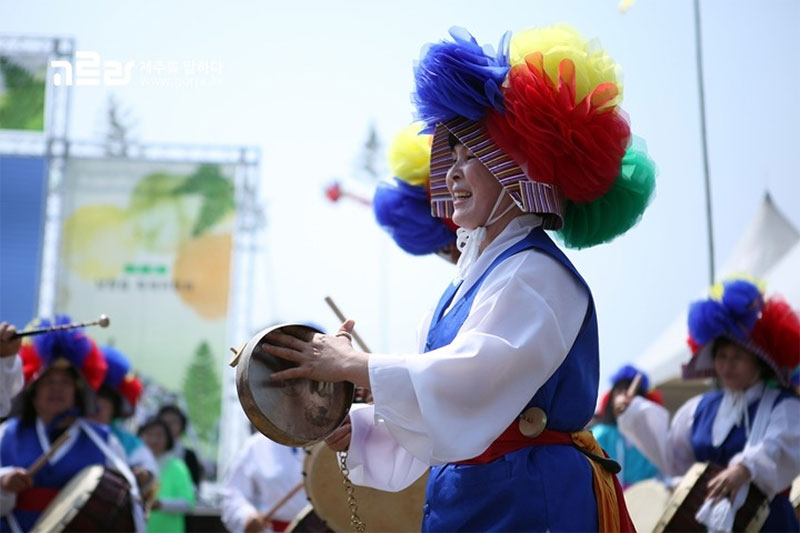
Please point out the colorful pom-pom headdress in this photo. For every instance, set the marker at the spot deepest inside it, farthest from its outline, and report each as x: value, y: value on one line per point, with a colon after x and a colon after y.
x: 68, y: 349
x: 402, y: 205
x: 737, y: 311
x: 121, y: 381
x: 542, y: 115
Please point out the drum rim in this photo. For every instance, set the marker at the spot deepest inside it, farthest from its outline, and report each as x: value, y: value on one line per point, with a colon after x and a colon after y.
x: 250, y: 406
x: 93, y: 473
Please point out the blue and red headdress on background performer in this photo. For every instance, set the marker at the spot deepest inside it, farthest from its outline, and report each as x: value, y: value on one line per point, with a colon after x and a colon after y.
x: 402, y: 205
x: 737, y: 311
x: 121, y: 381
x: 542, y: 115
x: 61, y: 349
x: 626, y: 374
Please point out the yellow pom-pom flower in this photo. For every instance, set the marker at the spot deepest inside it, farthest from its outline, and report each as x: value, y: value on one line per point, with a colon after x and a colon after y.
x: 718, y: 288
x: 556, y: 43
x: 409, y: 155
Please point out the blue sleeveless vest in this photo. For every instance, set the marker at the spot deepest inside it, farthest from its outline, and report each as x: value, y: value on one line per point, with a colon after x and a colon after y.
x: 20, y: 447
x: 782, y: 516
x: 534, y: 489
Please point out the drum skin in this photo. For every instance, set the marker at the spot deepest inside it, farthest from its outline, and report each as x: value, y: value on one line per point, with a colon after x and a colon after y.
x: 379, y: 510
x: 296, y: 412
x: 95, y: 499
x: 646, y: 502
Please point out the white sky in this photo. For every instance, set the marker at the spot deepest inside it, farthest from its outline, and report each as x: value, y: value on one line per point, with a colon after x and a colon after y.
x: 303, y: 80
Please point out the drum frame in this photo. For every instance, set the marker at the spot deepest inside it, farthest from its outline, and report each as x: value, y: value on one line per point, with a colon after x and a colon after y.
x: 248, y: 400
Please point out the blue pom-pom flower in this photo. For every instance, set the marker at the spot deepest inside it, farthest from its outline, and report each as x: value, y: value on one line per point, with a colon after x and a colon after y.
x: 744, y: 301
x: 459, y: 79
x: 404, y: 212
x: 71, y: 344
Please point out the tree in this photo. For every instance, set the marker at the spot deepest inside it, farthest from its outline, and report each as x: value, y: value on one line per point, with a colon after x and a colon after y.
x: 203, y: 392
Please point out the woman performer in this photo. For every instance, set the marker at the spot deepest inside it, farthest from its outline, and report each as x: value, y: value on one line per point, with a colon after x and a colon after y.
x: 635, y: 466
x: 522, y: 143
x: 750, y: 424
x: 62, y: 370
x: 262, y: 473
x: 116, y: 400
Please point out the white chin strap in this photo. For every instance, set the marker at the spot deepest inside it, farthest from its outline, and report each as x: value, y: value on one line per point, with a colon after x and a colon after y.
x: 468, y: 241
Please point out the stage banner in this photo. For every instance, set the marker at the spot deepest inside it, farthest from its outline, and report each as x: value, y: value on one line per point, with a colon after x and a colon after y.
x: 23, y: 199
x: 22, y: 91
x: 150, y: 245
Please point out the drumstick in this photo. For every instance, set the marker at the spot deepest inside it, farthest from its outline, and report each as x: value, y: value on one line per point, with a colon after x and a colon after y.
x: 101, y: 321
x: 341, y: 317
x: 634, y: 386
x: 40, y: 462
x: 282, y: 501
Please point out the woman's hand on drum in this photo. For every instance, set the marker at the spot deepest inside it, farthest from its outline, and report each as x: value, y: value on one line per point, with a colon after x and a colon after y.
x: 339, y: 440
x: 324, y: 358
x: 727, y: 483
x: 16, y: 481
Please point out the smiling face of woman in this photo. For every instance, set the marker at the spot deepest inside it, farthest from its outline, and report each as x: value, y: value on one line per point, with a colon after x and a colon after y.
x: 473, y: 188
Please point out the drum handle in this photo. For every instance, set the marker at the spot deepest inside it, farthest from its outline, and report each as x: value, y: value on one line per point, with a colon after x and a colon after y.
x: 340, y: 316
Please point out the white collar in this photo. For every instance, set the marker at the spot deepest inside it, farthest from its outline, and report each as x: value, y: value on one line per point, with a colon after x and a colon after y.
x: 733, y: 410
x: 517, y: 229
x: 44, y: 440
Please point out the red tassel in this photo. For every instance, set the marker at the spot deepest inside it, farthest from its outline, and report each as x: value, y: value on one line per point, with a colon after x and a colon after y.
x: 94, y: 367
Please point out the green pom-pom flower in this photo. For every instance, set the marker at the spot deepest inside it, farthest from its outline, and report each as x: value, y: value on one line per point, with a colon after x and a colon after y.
x: 618, y: 210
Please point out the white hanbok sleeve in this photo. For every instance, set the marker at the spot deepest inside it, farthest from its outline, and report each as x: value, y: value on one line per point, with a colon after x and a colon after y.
x: 8, y: 500
x: 668, y: 446
x: 775, y: 461
x: 375, y: 459
x: 11, y: 381
x: 449, y: 404
x: 238, y: 492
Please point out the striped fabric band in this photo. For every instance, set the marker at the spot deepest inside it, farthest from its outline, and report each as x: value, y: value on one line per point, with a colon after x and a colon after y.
x: 531, y: 196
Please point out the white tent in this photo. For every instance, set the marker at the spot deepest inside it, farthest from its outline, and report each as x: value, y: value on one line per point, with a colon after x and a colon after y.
x: 769, y: 249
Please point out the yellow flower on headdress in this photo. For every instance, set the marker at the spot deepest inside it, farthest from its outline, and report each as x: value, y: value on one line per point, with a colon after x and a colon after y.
x: 409, y: 155
x: 716, y: 290
x: 556, y: 43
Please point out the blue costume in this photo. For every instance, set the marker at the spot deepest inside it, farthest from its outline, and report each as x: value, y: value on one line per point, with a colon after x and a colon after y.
x: 21, y: 445
x: 537, y: 488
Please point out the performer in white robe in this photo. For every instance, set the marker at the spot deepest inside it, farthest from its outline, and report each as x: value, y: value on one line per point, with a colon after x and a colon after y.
x: 262, y: 473
x: 751, y: 425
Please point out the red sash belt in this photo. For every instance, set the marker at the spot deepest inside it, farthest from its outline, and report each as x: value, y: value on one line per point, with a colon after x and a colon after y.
x: 35, y: 500
x: 512, y: 440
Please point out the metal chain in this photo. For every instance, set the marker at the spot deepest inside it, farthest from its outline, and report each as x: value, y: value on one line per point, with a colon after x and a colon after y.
x: 358, y: 525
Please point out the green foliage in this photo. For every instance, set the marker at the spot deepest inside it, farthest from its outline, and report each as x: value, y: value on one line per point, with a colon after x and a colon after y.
x: 203, y: 392
x: 217, y: 192
x: 22, y: 103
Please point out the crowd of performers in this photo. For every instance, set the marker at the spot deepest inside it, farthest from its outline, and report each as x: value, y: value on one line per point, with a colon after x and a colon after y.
x: 499, y: 405
x: 61, y: 390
